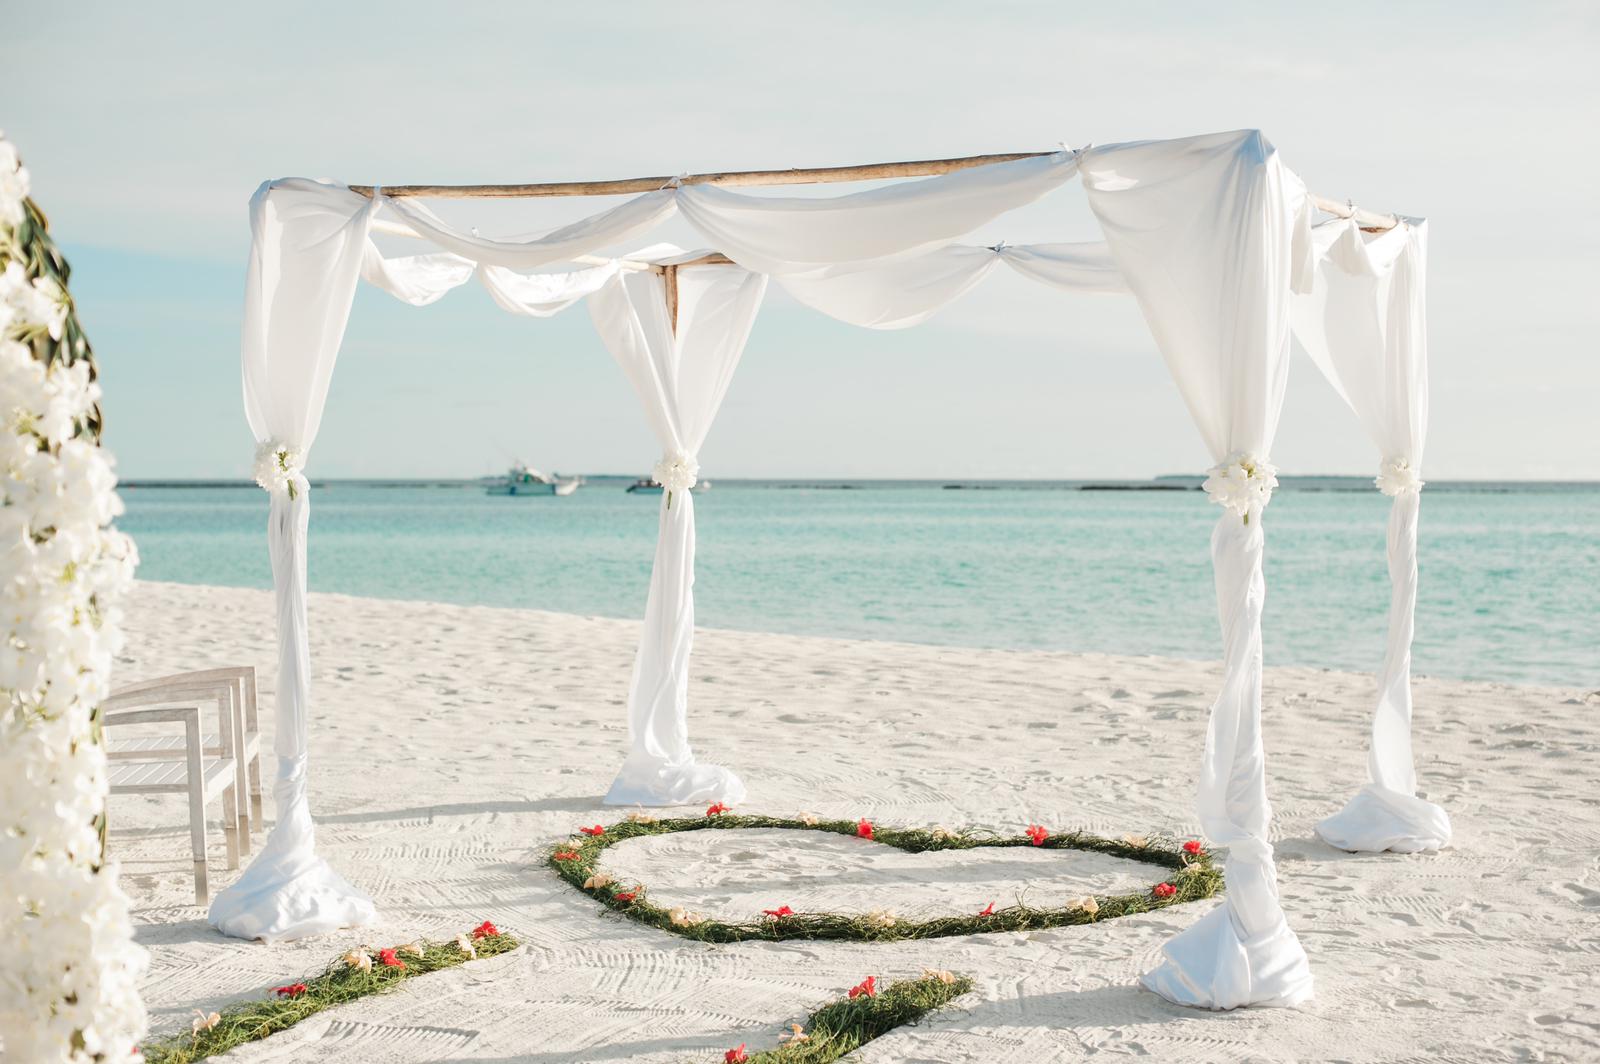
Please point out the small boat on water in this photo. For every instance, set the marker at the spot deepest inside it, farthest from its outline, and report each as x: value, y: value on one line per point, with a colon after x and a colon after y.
x: 524, y: 480
x: 647, y: 486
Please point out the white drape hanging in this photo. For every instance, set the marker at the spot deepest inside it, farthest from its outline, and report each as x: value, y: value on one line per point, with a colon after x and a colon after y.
x: 622, y: 222
x: 1205, y: 232
x: 680, y: 376
x: 907, y: 291
x: 1364, y: 325
x: 423, y: 279
x: 308, y: 241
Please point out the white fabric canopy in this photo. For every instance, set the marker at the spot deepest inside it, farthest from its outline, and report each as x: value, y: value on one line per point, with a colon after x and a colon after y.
x: 1364, y: 324
x: 1211, y: 234
x: 1205, y: 232
x: 680, y: 375
x: 908, y: 291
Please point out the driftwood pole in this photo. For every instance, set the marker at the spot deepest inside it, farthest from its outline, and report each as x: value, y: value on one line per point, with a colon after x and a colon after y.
x: 669, y: 277
x: 1369, y: 220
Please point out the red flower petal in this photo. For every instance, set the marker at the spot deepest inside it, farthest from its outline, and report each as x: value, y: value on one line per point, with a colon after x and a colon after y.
x: 1192, y: 847
x: 779, y: 913
x: 591, y: 832
x: 868, y: 987
x: 485, y: 930
x: 989, y: 911
x: 626, y: 895
x: 1164, y: 890
x: 864, y: 828
x: 1038, y: 834
x: 735, y: 1055
x: 717, y: 809
x: 566, y: 855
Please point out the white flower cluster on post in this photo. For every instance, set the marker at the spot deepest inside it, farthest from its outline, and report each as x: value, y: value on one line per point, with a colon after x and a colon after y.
x: 676, y: 473
x: 1243, y: 484
x: 69, y: 968
x: 1396, y: 477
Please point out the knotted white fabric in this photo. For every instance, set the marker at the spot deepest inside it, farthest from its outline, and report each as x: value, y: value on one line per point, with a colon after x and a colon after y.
x: 308, y: 241
x: 1364, y: 325
x: 1205, y: 231
x: 907, y: 291
x: 790, y: 235
x: 680, y: 376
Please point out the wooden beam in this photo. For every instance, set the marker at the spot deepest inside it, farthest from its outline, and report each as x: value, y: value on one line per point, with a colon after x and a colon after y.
x: 1369, y: 220
x: 635, y: 185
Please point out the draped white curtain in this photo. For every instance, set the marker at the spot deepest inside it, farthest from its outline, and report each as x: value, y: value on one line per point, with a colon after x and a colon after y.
x: 680, y: 375
x: 791, y: 235
x: 1210, y: 232
x: 622, y: 222
x: 908, y: 291
x: 308, y: 241
x: 1364, y: 324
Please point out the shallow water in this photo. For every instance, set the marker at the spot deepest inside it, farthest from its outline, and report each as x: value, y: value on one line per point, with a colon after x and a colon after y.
x: 1509, y: 573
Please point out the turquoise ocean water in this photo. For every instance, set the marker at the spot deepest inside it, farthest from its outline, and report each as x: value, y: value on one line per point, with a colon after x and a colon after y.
x: 1510, y: 574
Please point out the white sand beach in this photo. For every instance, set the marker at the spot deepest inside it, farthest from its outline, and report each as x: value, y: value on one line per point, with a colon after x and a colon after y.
x: 451, y: 745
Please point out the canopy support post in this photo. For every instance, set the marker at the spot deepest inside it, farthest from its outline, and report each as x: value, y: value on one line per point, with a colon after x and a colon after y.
x: 669, y: 276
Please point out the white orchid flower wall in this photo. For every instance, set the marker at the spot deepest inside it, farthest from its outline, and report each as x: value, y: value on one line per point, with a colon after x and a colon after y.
x: 69, y: 968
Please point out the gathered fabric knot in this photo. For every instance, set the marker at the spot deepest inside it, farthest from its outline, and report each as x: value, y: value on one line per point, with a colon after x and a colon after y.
x: 1242, y: 484
x: 676, y: 473
x: 279, y: 468
x: 1396, y: 477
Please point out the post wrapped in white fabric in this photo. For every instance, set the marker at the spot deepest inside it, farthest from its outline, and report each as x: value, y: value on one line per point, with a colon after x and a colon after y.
x: 680, y: 376
x: 308, y: 243
x: 902, y: 292
x: 790, y: 235
x: 1364, y: 324
x: 1204, y: 230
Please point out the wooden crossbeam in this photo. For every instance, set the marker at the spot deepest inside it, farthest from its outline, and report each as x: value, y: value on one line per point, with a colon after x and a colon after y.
x: 1369, y: 220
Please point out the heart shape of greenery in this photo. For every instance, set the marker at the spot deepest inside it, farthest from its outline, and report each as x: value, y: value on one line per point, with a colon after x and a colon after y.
x: 1191, y: 877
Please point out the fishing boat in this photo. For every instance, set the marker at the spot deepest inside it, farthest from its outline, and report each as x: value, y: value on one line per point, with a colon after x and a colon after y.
x: 522, y: 479
x: 647, y: 486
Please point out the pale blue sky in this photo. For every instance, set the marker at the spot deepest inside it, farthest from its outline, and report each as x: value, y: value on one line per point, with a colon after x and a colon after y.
x: 148, y: 126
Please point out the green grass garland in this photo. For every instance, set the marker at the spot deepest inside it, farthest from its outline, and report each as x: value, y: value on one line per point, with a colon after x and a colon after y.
x: 338, y: 983
x: 849, y: 1023
x: 1191, y: 876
